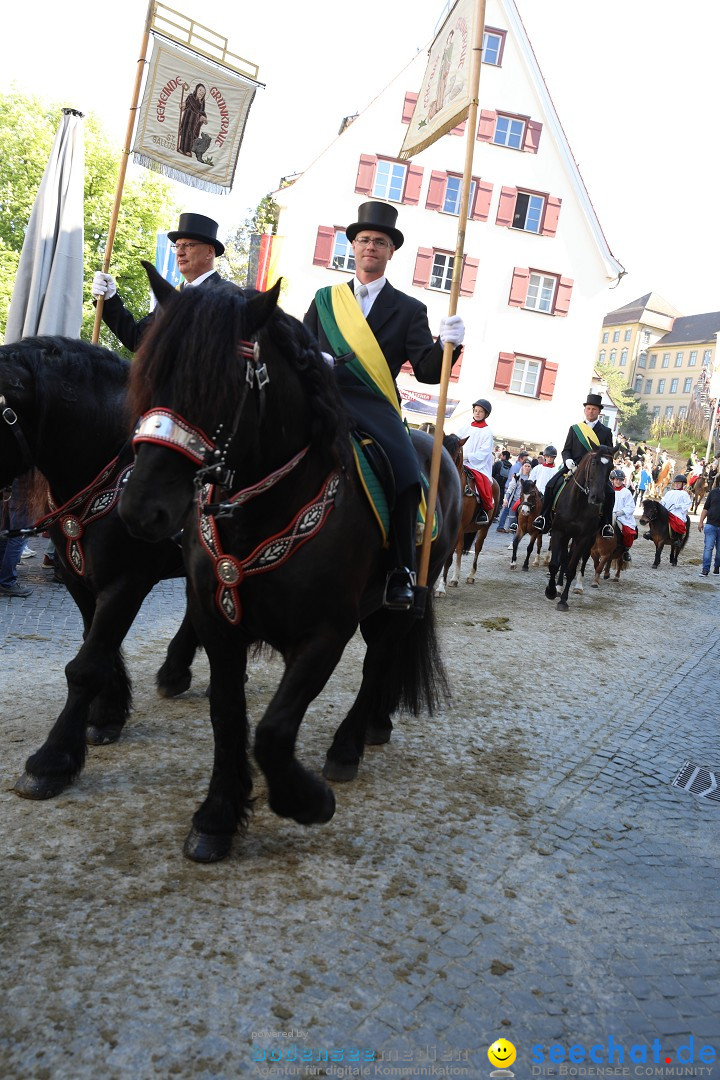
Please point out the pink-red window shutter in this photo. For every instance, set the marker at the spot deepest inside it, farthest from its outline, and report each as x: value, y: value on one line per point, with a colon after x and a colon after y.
x: 552, y: 213
x: 459, y: 130
x: 480, y: 210
x: 506, y: 206
x: 547, y: 381
x: 533, y: 130
x: 503, y: 374
x: 409, y: 106
x: 519, y: 286
x: 412, y: 185
x: 366, y: 174
x: 469, y: 276
x: 323, y: 246
x: 486, y: 127
x: 423, y: 267
x: 436, y: 191
x: 562, y: 300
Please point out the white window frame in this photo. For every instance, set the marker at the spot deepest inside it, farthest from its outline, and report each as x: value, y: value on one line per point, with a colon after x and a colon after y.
x: 343, y: 257
x: 526, y: 375
x: 623, y: 358
x: 669, y: 409
x: 661, y: 386
x: 534, y: 212
x: 692, y: 359
x: 442, y: 271
x: 385, y: 182
x: 454, y: 207
x: 514, y: 135
x: 682, y: 412
x: 674, y: 383
x: 616, y: 335
x: 487, y: 36
x: 541, y: 292
x: 679, y: 359
x: 665, y: 360
x: 687, y: 385
x: 639, y: 380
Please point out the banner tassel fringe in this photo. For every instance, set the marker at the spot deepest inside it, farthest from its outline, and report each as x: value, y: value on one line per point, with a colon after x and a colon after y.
x: 179, y: 175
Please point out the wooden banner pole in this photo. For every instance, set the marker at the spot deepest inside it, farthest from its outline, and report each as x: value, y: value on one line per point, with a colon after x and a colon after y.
x: 123, y: 163
x: 478, y: 29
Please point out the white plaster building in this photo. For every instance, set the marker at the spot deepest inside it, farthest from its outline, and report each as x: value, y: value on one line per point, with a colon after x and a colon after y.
x: 536, y: 263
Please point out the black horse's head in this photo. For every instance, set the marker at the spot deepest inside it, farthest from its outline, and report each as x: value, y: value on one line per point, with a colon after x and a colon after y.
x: 224, y: 377
x: 593, y: 473
x: 650, y: 511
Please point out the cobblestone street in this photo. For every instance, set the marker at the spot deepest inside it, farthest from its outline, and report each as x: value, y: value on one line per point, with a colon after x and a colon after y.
x: 518, y: 866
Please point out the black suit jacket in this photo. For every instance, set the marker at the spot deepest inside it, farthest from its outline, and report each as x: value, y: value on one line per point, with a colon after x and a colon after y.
x: 400, y: 325
x: 574, y: 449
x: 126, y: 328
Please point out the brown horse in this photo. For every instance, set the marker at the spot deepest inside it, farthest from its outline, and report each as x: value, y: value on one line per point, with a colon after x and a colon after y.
x: 528, y: 510
x: 661, y: 478
x: 698, y: 491
x: 606, y: 552
x: 468, y: 526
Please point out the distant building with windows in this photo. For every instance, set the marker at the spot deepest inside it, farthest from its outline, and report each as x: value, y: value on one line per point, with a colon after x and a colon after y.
x: 536, y: 265
x: 668, y: 358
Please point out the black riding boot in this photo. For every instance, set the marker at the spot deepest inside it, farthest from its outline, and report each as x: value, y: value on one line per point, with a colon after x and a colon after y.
x: 606, y: 525
x: 400, y: 584
x: 544, y: 519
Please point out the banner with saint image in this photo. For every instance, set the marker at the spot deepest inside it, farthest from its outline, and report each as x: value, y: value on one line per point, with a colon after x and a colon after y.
x: 192, y: 119
x: 445, y: 93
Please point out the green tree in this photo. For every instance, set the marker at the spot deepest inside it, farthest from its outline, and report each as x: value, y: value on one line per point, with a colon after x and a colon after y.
x: 234, y: 263
x: 633, y: 417
x: 27, y: 130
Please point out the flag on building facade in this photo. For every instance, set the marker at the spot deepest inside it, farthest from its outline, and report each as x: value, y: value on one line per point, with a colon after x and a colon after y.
x: 445, y: 93
x: 192, y: 118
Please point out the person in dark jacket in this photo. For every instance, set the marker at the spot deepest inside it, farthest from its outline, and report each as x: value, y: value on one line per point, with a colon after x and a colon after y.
x: 398, y: 332
x: 196, y: 245
x: 588, y: 435
x: 501, y: 470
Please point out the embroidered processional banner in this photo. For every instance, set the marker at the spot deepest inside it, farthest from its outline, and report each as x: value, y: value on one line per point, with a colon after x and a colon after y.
x: 444, y: 96
x: 192, y: 119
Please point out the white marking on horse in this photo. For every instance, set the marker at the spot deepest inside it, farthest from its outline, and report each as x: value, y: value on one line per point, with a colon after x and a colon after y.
x: 604, y: 460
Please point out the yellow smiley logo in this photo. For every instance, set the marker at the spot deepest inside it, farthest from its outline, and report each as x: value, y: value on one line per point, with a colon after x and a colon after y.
x: 502, y: 1053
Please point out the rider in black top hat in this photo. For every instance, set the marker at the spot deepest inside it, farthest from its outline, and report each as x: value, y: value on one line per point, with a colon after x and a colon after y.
x: 578, y: 443
x: 399, y: 324
x: 196, y: 245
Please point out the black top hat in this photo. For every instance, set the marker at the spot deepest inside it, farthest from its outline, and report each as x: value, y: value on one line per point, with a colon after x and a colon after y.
x: 377, y: 216
x: 594, y: 399
x: 197, y: 227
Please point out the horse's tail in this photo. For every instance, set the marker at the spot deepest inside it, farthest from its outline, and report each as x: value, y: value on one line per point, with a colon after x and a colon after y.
x: 415, y: 676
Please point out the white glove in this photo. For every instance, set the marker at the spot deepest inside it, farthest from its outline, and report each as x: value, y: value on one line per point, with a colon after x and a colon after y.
x: 328, y: 358
x: 570, y: 465
x: 452, y: 329
x: 103, y: 285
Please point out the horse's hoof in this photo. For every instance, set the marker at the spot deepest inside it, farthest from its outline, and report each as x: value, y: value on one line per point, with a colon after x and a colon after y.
x: 319, y: 814
x: 562, y: 606
x: 452, y: 584
x: 470, y: 581
x: 513, y: 566
x: 206, y: 847
x: 526, y: 569
x: 580, y: 590
x: 339, y: 772
x: 40, y: 787
x: 550, y: 592
x: 593, y: 585
x: 102, y: 736
x: 174, y: 687
x: 377, y: 736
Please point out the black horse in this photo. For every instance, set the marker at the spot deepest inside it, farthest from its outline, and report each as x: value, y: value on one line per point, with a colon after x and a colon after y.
x: 576, y: 520
x: 64, y: 412
x: 657, y: 518
x: 288, y: 553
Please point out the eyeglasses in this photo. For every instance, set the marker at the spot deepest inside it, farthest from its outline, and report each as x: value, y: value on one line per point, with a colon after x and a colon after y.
x: 364, y: 241
x: 179, y: 248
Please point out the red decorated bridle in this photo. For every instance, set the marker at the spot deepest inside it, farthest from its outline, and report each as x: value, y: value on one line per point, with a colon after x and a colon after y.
x: 165, y: 427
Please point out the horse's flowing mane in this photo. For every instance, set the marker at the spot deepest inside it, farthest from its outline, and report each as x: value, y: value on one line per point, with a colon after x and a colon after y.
x: 192, y: 348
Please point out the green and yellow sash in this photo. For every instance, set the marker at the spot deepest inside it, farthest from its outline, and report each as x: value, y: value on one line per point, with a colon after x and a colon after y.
x: 586, y: 435
x: 347, y: 331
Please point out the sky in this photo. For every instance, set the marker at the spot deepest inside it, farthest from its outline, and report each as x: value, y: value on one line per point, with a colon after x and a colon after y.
x: 633, y: 82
